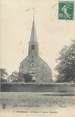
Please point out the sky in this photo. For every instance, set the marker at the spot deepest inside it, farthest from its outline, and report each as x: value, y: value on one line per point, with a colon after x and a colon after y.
x: 15, y: 29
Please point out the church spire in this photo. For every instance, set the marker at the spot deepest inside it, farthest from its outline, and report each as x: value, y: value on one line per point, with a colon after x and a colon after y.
x: 33, y: 37
x: 33, y: 44
x: 33, y: 32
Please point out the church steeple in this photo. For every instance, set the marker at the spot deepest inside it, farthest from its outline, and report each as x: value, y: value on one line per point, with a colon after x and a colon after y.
x: 33, y: 68
x: 33, y: 44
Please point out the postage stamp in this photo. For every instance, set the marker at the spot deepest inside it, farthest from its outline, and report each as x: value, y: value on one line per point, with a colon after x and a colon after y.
x: 66, y: 10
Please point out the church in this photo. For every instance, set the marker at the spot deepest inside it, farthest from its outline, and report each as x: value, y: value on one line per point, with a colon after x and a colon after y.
x: 33, y: 68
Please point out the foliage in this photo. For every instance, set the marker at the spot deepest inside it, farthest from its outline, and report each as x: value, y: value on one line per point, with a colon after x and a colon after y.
x: 66, y: 64
x: 3, y: 73
x: 13, y: 77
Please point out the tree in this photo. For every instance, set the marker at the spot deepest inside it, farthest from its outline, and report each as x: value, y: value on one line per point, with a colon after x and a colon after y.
x: 13, y: 77
x: 66, y: 64
x: 3, y: 74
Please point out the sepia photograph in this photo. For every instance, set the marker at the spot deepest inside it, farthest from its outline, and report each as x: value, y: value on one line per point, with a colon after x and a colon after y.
x: 37, y: 58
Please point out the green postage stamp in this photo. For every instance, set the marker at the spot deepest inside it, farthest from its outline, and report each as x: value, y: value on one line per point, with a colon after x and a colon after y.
x: 66, y: 10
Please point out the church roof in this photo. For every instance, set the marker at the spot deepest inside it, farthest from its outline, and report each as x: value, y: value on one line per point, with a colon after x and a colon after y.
x: 33, y: 37
x: 33, y: 44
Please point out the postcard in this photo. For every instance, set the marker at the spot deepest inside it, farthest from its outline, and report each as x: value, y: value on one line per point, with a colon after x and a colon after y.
x: 37, y: 58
